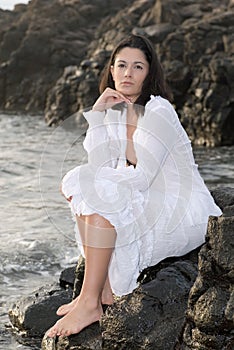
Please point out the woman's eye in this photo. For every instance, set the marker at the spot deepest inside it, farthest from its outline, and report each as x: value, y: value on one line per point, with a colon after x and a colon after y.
x: 139, y: 67
x: 121, y: 65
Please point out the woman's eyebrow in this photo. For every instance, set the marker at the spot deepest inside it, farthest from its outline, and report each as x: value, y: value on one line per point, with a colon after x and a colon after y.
x: 135, y: 62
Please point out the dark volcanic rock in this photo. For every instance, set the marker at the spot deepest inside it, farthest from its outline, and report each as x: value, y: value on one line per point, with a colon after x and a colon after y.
x: 52, y: 54
x: 140, y: 318
x: 210, y: 314
x: 34, y: 314
x: 38, y: 41
x: 152, y: 316
x: 134, y: 320
x: 167, y: 311
x: 194, y: 41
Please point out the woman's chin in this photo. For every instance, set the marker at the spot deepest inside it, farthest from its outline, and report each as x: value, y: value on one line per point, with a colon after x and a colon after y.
x: 131, y: 97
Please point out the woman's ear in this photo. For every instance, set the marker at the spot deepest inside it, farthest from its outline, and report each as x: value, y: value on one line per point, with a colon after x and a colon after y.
x: 112, y: 71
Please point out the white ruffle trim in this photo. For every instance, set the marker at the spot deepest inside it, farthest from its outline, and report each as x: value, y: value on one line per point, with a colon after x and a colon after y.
x: 143, y: 238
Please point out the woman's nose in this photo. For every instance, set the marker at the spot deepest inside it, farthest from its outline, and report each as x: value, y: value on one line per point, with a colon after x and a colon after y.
x: 128, y: 72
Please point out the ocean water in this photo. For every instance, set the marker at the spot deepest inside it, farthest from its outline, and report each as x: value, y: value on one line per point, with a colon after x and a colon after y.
x: 36, y: 229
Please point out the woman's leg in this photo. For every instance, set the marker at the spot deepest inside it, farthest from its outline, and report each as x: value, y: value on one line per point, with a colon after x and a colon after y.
x: 83, y: 222
x: 106, y: 299
x: 107, y: 294
x: 99, y: 240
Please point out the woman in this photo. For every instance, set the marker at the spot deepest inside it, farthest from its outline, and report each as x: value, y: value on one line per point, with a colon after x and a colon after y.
x: 140, y: 197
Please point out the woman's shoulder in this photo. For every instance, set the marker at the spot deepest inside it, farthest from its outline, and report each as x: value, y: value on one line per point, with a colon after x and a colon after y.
x: 157, y: 102
x: 159, y: 111
x: 162, y: 108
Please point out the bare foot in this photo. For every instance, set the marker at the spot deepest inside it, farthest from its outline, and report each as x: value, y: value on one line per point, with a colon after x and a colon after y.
x: 107, y: 299
x: 65, y: 308
x: 82, y: 315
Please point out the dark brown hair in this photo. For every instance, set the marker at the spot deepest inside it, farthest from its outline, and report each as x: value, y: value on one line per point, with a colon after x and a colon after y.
x: 154, y: 84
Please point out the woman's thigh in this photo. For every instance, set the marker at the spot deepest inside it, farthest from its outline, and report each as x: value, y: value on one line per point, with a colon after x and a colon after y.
x: 96, y: 231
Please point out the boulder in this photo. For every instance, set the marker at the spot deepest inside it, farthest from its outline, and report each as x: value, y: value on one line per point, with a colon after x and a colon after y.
x: 133, y: 321
x: 182, y: 303
x: 34, y: 314
x: 209, y: 321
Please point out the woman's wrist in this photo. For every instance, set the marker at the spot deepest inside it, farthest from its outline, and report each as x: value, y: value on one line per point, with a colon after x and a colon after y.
x: 94, y: 117
x: 99, y: 107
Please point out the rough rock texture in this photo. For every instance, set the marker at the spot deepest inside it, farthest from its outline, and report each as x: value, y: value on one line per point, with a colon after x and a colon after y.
x: 174, y: 307
x: 134, y: 321
x: 38, y: 41
x: 36, y: 313
x: 210, y: 315
x: 193, y: 40
x: 52, y: 54
x: 201, y: 55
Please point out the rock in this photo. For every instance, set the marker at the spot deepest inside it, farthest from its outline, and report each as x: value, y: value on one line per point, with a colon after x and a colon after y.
x: 90, y: 338
x: 141, y: 320
x: 210, y: 315
x: 74, y: 91
x: 196, y: 53
x: 174, y: 307
x: 194, y: 43
x: 67, y: 277
x: 163, y: 288
x: 193, y: 39
x: 34, y: 314
x: 206, y: 108
x: 38, y: 41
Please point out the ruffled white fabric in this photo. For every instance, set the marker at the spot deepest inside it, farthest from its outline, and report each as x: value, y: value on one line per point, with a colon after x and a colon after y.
x: 160, y: 208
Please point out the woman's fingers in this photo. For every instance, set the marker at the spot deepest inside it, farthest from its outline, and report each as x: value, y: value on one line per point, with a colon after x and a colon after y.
x: 109, y: 98
x: 116, y: 95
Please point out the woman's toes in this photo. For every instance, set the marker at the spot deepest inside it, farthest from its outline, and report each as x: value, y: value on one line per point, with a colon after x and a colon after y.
x: 51, y: 333
x: 60, y: 310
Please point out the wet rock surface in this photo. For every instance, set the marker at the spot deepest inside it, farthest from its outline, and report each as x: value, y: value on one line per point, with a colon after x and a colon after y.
x: 181, y: 303
x: 34, y: 314
x: 52, y: 57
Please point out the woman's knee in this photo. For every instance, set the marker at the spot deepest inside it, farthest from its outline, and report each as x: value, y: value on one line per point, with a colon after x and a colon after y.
x: 99, y: 221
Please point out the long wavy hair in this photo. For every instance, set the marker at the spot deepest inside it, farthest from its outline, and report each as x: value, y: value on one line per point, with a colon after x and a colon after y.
x: 154, y: 84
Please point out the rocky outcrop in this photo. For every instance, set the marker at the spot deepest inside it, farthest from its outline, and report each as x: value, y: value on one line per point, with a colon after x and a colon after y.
x: 194, y: 42
x: 38, y: 41
x: 82, y: 85
x: 174, y: 307
x: 52, y: 55
x: 210, y: 314
x: 134, y: 321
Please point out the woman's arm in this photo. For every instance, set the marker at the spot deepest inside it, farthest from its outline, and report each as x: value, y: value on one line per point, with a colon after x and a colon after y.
x: 97, y: 142
x: 155, y: 139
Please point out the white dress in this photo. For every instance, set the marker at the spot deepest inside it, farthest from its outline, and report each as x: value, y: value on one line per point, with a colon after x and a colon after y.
x: 160, y: 208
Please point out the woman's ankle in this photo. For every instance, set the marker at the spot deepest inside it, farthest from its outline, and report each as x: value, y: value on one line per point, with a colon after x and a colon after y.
x: 92, y: 301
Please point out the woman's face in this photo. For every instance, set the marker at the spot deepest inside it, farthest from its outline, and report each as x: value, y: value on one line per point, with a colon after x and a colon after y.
x: 129, y: 72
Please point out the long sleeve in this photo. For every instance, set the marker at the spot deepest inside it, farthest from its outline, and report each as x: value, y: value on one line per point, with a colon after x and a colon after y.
x: 97, y: 142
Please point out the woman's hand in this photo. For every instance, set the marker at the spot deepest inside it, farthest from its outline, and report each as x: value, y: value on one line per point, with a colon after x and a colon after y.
x: 108, y: 99
x: 69, y: 198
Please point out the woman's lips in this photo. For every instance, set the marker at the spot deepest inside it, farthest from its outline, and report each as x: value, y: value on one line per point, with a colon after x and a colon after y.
x: 127, y: 83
